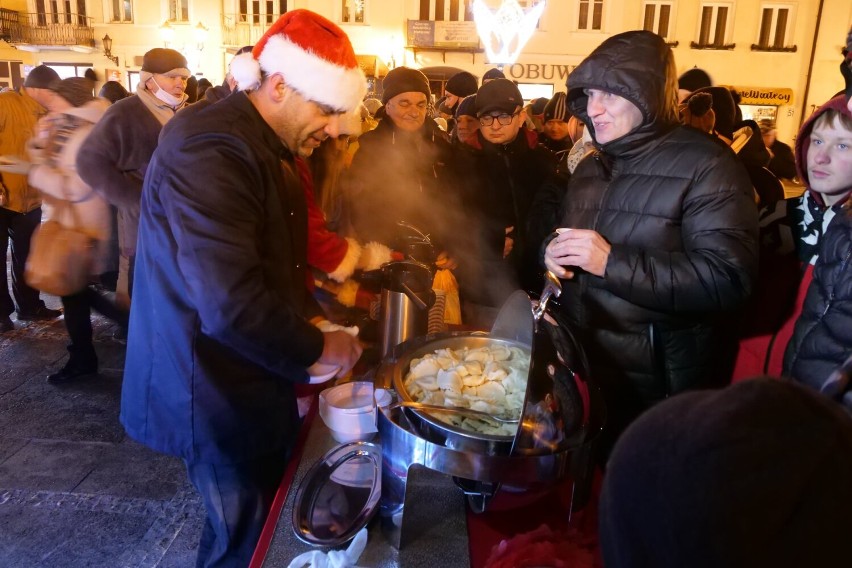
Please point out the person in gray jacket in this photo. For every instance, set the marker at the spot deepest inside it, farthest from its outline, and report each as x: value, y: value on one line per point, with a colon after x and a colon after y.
x: 658, y: 234
x: 115, y: 157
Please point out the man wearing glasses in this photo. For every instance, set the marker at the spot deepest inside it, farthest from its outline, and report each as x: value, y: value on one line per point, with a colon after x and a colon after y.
x: 506, y: 167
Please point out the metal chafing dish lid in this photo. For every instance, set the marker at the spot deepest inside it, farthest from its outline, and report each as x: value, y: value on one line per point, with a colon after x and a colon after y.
x: 339, y: 495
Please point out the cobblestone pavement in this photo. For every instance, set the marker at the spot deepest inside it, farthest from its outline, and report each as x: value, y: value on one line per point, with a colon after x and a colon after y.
x: 75, y: 491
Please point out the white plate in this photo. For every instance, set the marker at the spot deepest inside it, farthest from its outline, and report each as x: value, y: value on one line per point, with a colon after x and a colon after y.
x: 320, y: 373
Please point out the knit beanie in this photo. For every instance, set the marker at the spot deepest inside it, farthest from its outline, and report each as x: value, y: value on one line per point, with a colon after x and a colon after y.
x: 492, y: 74
x: 467, y: 107
x: 462, y: 84
x: 694, y: 79
x: 404, y: 80
x: 41, y: 77
x: 537, y: 105
x: 724, y: 107
x: 75, y: 90
x: 756, y: 474
x: 162, y: 60
x: 312, y: 54
x: 556, y: 108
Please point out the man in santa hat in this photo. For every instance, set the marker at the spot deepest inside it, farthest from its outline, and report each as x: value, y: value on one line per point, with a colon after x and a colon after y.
x: 220, y: 325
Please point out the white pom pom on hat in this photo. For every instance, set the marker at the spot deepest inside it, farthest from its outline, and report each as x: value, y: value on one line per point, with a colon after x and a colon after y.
x: 245, y: 70
x: 314, y: 56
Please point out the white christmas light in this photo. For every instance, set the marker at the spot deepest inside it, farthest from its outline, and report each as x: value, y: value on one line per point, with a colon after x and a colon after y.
x: 504, y: 33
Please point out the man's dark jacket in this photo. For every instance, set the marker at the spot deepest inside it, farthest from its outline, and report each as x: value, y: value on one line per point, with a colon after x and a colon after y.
x: 501, y: 182
x: 400, y: 176
x: 677, y: 210
x: 218, y: 333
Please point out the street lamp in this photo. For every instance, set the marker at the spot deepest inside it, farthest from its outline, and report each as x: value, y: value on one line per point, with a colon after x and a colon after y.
x: 200, y: 32
x: 108, y: 50
x: 167, y: 32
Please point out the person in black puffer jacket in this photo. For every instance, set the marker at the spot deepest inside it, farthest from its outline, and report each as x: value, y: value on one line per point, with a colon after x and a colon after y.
x: 822, y: 337
x: 662, y: 245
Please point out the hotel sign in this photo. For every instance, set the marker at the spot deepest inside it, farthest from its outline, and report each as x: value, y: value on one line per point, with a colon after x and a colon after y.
x: 766, y: 96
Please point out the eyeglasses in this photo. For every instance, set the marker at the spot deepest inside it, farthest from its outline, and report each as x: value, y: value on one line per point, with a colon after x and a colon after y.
x: 505, y: 119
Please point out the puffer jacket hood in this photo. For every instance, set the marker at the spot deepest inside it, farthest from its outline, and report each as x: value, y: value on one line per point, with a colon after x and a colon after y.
x: 634, y: 66
x: 838, y: 103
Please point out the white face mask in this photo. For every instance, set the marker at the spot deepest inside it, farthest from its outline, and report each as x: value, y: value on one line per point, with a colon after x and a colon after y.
x: 167, y: 97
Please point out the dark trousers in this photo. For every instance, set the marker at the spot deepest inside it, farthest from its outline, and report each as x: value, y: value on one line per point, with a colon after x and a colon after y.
x: 237, y: 498
x: 78, y: 319
x: 17, y: 227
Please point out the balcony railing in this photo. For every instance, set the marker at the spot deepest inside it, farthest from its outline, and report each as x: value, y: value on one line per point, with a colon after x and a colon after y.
x: 245, y: 29
x: 46, y: 29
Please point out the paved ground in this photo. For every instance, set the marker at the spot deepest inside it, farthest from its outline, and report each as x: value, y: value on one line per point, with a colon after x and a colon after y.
x: 74, y: 489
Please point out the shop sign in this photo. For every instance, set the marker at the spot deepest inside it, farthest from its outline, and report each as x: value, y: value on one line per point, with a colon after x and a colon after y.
x: 767, y: 96
x: 429, y: 33
x: 538, y: 71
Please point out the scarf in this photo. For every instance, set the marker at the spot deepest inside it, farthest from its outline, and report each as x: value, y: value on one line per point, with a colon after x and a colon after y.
x: 158, y: 108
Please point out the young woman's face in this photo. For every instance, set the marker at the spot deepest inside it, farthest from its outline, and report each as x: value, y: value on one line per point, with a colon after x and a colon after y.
x: 829, y: 160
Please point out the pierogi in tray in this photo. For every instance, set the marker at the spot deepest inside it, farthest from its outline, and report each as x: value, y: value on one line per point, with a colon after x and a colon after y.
x: 489, y: 379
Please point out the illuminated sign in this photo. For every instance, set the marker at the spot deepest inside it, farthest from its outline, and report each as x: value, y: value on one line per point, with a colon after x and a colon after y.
x: 763, y: 95
x: 504, y: 33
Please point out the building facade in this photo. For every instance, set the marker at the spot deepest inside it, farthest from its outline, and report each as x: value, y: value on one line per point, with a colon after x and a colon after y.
x: 782, y: 55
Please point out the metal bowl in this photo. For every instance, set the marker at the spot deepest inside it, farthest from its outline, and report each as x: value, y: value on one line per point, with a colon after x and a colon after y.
x: 548, y: 423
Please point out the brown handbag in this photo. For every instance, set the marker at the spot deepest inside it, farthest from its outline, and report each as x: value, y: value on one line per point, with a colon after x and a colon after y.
x: 61, y: 259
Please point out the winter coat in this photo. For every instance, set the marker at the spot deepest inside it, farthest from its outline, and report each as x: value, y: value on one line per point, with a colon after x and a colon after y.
x: 791, y: 238
x: 677, y: 210
x: 19, y: 114
x: 822, y: 338
x: 114, y: 160
x: 501, y: 184
x: 396, y: 176
x: 219, y: 326
x: 68, y: 200
x: 782, y: 163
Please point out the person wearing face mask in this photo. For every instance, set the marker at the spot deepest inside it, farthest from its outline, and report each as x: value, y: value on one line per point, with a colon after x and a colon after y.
x: 657, y: 239
x: 115, y: 157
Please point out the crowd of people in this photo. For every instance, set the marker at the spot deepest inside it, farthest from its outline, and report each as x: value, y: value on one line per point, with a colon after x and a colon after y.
x: 647, y: 194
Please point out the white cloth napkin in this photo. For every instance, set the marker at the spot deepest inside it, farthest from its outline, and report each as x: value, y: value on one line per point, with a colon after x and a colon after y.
x: 334, y: 558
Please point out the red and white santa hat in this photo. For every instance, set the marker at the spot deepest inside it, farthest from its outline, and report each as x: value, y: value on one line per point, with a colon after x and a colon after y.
x: 313, y: 55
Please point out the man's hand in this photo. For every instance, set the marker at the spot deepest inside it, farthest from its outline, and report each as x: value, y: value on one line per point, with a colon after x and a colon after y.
x: 577, y: 247
x: 446, y: 262
x: 340, y: 350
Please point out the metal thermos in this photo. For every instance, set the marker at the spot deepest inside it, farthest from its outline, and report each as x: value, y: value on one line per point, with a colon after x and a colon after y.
x: 406, y: 298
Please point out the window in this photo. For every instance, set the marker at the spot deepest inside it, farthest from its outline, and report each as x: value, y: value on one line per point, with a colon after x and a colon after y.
x: 353, y: 11
x: 179, y: 10
x: 60, y: 12
x: 591, y: 15
x: 713, y: 29
x: 445, y: 10
x: 122, y: 10
x: 657, y: 17
x: 261, y: 11
x: 774, y: 23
